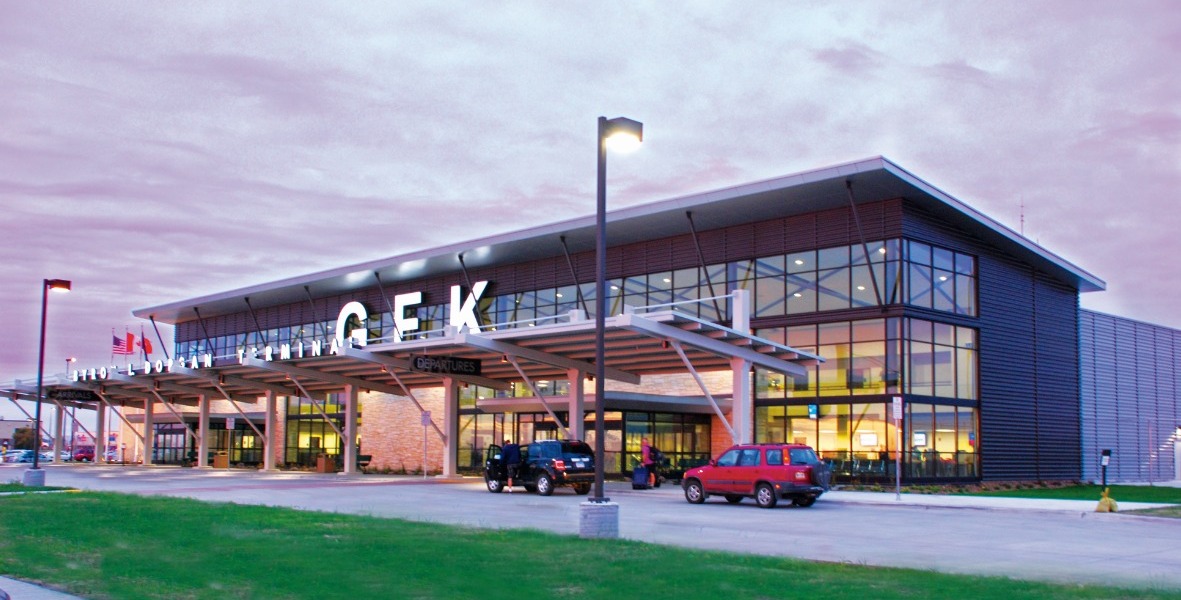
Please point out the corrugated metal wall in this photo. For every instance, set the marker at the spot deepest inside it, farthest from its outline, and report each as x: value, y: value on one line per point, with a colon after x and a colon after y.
x: 1129, y: 397
x: 1028, y: 360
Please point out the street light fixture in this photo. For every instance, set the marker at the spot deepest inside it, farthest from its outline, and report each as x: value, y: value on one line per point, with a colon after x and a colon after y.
x: 35, y: 476
x: 621, y: 134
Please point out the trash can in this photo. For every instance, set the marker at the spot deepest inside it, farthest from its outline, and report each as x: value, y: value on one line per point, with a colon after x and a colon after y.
x: 325, y: 463
x: 221, y: 460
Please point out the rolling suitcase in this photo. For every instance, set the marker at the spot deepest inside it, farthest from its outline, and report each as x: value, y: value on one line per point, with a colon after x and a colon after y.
x: 640, y: 478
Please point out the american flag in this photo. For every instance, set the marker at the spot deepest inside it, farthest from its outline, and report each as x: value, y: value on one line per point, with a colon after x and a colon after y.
x: 121, y: 346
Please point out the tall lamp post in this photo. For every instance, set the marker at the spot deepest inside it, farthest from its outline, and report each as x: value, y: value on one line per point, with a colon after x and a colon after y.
x: 35, y: 476
x: 621, y: 134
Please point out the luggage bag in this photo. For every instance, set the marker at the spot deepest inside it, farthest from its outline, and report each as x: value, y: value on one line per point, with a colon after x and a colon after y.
x: 640, y: 478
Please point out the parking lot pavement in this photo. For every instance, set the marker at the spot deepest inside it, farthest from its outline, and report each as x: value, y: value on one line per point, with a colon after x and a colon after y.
x: 1063, y: 541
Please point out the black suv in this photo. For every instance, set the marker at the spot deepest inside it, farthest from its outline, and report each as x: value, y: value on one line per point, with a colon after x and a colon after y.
x: 545, y: 465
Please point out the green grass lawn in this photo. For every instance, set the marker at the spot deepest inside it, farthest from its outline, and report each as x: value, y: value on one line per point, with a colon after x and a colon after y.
x: 103, y: 545
x: 1122, y: 493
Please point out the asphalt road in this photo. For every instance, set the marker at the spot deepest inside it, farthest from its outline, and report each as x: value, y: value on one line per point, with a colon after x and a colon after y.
x: 1059, y: 541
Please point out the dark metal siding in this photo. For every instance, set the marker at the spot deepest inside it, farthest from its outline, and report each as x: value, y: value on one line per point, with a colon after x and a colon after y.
x: 1028, y: 360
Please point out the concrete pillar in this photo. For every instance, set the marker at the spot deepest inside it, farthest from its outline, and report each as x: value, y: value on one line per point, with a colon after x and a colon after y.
x: 350, y: 429
x: 742, y: 410
x: 577, y: 404
x: 203, y: 431
x: 598, y: 520
x: 450, y: 427
x: 149, y: 447
x: 100, y: 434
x: 58, y: 433
x: 268, y: 458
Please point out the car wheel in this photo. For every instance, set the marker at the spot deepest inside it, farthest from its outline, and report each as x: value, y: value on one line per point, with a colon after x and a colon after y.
x: 733, y: 498
x: 765, y: 496
x: 804, y: 502
x: 694, y: 493
x: 582, y: 489
x: 545, y: 486
x: 494, y: 485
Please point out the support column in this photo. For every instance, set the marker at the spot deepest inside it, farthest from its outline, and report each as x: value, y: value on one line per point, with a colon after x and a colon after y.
x: 450, y: 427
x: 100, y: 434
x: 203, y: 403
x: 350, y: 429
x: 577, y: 409
x: 268, y: 446
x: 149, y: 433
x: 742, y: 405
x: 58, y: 432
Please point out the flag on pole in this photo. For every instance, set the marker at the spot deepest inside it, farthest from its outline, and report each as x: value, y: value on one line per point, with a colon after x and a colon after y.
x: 124, y: 346
x: 144, y: 343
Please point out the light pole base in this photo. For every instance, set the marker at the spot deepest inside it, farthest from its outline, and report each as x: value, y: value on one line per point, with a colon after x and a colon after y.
x: 598, y: 520
x: 34, y: 478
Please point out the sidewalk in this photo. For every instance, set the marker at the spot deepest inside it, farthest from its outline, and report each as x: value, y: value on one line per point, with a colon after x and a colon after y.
x: 978, y: 502
x: 19, y: 590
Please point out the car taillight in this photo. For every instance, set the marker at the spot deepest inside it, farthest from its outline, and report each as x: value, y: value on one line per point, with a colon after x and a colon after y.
x: 559, y: 464
x: 801, y: 475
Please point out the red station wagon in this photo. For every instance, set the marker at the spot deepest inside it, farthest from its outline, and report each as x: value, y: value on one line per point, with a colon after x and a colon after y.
x: 765, y: 472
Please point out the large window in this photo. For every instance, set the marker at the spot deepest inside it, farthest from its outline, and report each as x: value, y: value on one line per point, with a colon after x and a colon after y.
x: 684, y: 439
x: 882, y: 272
x: 309, y: 434
x: 860, y: 441
x: 876, y: 356
x: 940, y: 279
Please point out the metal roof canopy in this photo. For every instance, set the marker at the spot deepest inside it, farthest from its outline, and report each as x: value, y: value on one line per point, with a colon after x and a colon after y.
x: 638, y: 343
x: 873, y: 180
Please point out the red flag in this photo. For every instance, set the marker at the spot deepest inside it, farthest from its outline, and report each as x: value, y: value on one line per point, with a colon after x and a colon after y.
x: 123, y: 347
x: 144, y: 343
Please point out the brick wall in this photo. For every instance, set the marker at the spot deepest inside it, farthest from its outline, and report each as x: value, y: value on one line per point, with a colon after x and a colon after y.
x: 391, y: 431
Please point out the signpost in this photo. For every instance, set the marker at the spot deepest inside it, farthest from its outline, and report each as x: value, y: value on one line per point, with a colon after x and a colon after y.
x: 1104, y: 459
x: 426, y: 422
x: 898, y: 448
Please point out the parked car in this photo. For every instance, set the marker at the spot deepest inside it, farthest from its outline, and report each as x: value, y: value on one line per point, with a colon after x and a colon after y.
x: 545, y: 465
x: 19, y: 456
x: 765, y: 472
x: 84, y: 454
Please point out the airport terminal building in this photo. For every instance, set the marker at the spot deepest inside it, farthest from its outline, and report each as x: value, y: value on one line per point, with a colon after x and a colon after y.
x: 856, y: 308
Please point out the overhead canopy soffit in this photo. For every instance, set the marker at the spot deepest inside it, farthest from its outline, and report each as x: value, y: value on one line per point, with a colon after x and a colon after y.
x: 635, y: 345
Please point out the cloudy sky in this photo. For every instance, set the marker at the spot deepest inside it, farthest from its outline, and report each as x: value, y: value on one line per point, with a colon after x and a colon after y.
x: 151, y: 152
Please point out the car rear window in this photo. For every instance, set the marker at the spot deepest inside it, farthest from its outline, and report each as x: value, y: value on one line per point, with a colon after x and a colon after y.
x: 576, y: 449
x: 803, y: 456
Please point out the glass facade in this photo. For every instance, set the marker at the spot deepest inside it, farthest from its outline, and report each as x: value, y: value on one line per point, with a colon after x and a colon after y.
x: 683, y: 438
x: 174, y: 446
x: 309, y: 434
x: 814, y: 281
x: 838, y: 407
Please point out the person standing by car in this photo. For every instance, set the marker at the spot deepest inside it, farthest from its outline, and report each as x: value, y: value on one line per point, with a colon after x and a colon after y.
x: 511, y: 455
